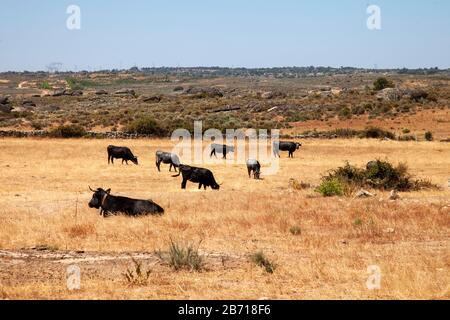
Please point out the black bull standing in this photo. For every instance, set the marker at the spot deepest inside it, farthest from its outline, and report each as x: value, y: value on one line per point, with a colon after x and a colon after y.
x: 108, y: 204
x: 203, y: 177
x: 123, y: 153
x: 255, y: 167
x: 221, y: 148
x: 285, y: 146
x: 167, y: 158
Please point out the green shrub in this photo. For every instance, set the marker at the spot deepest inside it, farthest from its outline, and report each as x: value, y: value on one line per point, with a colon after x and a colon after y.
x: 383, y: 175
x: 345, y: 113
x: 68, y: 131
x: 358, y: 222
x: 146, y: 125
x: 382, y: 83
x: 74, y: 84
x: 378, y: 175
x: 36, y: 125
x: 429, y: 136
x: 262, y: 261
x: 330, y: 188
x: 407, y: 137
x: 347, y: 173
x: 376, y: 133
x: 45, y: 85
x: 345, y: 133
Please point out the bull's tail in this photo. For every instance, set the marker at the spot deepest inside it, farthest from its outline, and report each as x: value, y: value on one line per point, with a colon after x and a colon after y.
x: 179, y: 171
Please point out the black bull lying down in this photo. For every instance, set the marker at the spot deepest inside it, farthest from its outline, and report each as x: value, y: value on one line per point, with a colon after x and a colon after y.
x: 108, y: 204
x: 203, y: 177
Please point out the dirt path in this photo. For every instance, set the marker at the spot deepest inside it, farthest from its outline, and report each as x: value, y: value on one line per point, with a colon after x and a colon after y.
x: 44, y: 255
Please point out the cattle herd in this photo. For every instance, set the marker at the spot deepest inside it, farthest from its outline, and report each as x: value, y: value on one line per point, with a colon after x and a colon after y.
x: 109, y: 204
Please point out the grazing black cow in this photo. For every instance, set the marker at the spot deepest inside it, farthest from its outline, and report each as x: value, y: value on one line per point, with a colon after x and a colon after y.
x: 123, y: 153
x: 203, y: 177
x: 221, y: 148
x: 285, y: 146
x: 253, y: 165
x: 167, y: 158
x: 108, y: 204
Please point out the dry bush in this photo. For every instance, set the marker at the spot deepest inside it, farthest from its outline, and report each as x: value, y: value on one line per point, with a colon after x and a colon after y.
x: 182, y: 256
x: 80, y: 230
x: 137, y: 276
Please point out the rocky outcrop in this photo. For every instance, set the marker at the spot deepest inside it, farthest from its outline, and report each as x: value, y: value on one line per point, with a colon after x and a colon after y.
x: 4, y: 100
x: 101, y: 92
x: 272, y: 94
x: 364, y: 194
x: 390, y: 94
x: 50, y: 108
x: 125, y: 92
x: 5, y: 108
x: 5, y: 104
x: 207, y: 92
x: 151, y: 98
x: 28, y: 104
x: 72, y: 93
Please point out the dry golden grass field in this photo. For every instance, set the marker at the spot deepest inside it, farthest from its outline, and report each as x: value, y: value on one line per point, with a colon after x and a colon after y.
x: 46, y: 225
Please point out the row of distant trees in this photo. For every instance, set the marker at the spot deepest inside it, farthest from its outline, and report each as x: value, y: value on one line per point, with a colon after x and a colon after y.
x: 239, y: 72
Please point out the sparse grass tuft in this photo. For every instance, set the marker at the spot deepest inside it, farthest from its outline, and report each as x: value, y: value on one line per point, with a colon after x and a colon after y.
x: 182, y: 257
x: 295, y: 230
x: 357, y: 222
x: 137, y: 276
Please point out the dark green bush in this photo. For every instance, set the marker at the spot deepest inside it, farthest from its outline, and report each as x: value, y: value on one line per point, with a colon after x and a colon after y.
x: 376, y: 133
x: 383, y: 175
x: 378, y: 174
x: 262, y: 261
x: 428, y: 136
x: 68, y: 131
x: 330, y: 187
x: 146, y: 125
x: 407, y: 137
x: 382, y: 83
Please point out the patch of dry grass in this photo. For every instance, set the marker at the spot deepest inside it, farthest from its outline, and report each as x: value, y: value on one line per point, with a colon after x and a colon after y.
x: 44, y: 196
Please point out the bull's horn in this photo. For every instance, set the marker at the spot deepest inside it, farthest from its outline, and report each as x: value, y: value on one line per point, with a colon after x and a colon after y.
x: 91, y: 189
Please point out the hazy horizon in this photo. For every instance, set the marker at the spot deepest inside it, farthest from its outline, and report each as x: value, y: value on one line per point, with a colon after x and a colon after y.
x: 286, y: 33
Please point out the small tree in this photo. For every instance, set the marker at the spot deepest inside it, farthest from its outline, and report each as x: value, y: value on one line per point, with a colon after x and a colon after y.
x: 382, y: 83
x: 428, y: 136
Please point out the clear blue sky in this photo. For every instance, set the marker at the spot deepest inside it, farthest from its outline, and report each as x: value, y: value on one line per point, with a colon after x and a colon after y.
x: 239, y: 33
